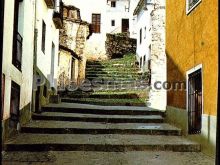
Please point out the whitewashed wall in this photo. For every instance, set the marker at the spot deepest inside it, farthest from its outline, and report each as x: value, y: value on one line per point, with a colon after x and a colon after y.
x: 24, y: 78
x: 52, y: 35
x: 143, y: 48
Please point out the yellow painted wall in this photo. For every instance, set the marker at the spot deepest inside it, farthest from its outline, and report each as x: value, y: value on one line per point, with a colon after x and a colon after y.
x: 191, y: 40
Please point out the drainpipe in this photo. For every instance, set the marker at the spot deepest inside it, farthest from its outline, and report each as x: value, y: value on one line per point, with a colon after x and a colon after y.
x: 34, y: 57
x: 217, y: 162
x: 2, y: 4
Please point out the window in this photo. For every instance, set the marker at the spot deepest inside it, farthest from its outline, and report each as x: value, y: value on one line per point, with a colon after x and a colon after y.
x: 113, y: 22
x: 140, y: 36
x: 43, y: 42
x: 191, y: 4
x: 96, y: 21
x: 141, y: 62
x: 194, y: 100
x: 113, y: 3
x: 145, y: 32
x: 144, y: 59
x: 17, y: 39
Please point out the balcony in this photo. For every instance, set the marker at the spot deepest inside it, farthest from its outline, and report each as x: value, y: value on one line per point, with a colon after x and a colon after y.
x: 17, y: 51
x: 58, y: 16
x: 50, y: 3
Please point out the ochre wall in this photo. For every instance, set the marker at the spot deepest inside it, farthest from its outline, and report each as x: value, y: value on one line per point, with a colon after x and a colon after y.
x: 192, y: 40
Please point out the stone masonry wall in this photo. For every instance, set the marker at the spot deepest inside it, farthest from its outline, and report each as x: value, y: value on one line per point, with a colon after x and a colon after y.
x: 158, y: 97
x: 119, y: 44
x: 74, y: 36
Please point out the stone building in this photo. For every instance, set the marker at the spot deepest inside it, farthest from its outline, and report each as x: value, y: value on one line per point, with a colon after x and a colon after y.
x: 17, y: 68
x: 192, y: 58
x: 151, y: 48
x: 109, y: 16
x: 73, y: 36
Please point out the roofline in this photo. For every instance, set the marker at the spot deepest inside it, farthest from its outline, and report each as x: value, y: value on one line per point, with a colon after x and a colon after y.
x: 136, y: 10
x: 69, y: 50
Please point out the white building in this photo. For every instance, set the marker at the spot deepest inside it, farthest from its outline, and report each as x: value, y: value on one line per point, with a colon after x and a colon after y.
x: 151, y: 48
x: 48, y: 21
x: 107, y: 16
x: 30, y: 47
x: 143, y: 31
x: 17, y: 66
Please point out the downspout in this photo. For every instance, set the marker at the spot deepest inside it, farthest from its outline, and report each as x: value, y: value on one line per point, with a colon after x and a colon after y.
x: 2, y: 4
x: 35, y: 57
x: 217, y: 161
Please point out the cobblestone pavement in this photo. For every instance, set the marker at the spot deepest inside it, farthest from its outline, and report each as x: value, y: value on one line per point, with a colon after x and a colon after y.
x: 106, y: 158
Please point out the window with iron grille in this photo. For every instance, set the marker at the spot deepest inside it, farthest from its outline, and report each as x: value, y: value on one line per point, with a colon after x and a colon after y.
x: 96, y: 23
x: 43, y: 42
x: 195, y: 102
x: 191, y: 4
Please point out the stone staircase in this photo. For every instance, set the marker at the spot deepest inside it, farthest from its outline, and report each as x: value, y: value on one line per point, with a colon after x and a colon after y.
x: 77, y: 127
x: 113, y: 82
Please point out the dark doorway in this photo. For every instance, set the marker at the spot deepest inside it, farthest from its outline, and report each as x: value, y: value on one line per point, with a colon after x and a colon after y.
x: 14, y: 106
x: 125, y: 25
x: 195, y: 102
x: 37, y: 100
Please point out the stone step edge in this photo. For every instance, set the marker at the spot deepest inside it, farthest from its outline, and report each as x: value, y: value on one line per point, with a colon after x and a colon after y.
x: 105, y: 120
x: 96, y: 131
x: 102, y: 111
x: 103, y: 147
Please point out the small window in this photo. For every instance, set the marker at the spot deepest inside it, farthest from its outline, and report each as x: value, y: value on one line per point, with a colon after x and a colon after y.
x: 113, y: 22
x: 43, y: 42
x: 144, y: 59
x: 140, y: 36
x: 145, y: 32
x: 191, y: 4
x: 113, y: 3
x: 141, y: 62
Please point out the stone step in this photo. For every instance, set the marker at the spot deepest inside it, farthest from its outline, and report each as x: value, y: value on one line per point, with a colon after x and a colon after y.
x: 108, y: 96
x: 101, y: 110
x: 64, y: 127
x: 104, y: 142
x: 118, y: 88
x: 129, y: 65
x: 107, y: 158
x: 121, y: 70
x: 110, y: 102
x: 113, y: 76
x: 97, y: 72
x: 59, y: 116
x: 109, y: 78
